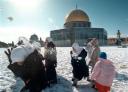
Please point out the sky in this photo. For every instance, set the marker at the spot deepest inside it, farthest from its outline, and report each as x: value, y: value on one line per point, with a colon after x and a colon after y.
x: 27, y: 17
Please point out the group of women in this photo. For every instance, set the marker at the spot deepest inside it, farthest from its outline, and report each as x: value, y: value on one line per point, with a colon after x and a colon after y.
x: 102, y: 69
x: 26, y: 62
x: 78, y: 55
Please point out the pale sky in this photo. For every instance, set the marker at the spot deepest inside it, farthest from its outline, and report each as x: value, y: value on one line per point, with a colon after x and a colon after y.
x: 41, y: 16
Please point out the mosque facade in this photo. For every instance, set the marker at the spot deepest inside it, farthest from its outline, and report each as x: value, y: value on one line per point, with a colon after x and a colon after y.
x: 77, y: 28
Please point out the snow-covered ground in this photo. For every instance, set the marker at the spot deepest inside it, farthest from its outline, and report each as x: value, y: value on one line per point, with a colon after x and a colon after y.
x: 8, y: 82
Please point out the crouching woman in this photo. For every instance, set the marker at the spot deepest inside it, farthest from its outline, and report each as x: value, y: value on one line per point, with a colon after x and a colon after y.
x: 26, y: 63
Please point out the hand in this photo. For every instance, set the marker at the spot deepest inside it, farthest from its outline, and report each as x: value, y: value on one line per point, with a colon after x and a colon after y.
x: 79, y: 58
x: 8, y: 53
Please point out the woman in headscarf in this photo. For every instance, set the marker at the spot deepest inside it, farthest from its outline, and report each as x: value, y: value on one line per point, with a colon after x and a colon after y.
x: 94, y: 52
x: 80, y: 69
x: 50, y: 60
x: 89, y: 49
x: 26, y: 63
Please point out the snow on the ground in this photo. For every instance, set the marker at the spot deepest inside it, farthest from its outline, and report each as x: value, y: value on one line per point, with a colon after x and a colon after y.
x: 119, y: 56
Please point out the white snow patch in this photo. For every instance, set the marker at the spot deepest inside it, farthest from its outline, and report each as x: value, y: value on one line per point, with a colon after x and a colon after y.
x: 119, y: 56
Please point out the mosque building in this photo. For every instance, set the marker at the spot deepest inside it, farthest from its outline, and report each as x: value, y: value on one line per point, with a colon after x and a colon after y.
x: 77, y: 28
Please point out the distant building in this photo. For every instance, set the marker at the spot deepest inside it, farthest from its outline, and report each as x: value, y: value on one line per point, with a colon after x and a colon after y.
x: 113, y: 40
x: 77, y: 28
x: 118, y: 39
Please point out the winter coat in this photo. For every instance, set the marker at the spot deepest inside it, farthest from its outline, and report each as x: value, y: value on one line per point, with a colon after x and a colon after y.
x: 50, y: 55
x: 89, y: 49
x: 94, y: 57
x: 32, y: 72
x: 103, y: 72
x: 50, y: 62
x: 80, y: 69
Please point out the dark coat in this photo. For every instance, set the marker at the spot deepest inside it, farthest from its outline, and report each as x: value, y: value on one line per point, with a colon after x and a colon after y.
x: 80, y: 69
x: 50, y: 62
x: 33, y: 71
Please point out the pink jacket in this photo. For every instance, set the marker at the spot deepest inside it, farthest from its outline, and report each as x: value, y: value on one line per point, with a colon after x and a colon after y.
x: 103, y: 72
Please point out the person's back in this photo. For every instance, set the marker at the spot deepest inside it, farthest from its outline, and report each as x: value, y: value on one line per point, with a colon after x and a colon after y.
x: 103, y: 73
x: 26, y: 63
x: 95, y: 53
x: 35, y: 71
x: 107, y: 72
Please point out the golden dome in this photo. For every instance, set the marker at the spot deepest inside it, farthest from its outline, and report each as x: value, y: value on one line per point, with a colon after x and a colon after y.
x: 77, y: 15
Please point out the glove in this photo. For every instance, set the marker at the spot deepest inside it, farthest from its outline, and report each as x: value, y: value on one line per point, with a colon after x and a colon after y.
x: 8, y: 53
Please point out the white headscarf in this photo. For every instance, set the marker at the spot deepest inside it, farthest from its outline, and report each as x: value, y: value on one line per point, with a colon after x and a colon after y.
x: 20, y: 53
x: 37, y: 46
x: 77, y: 48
